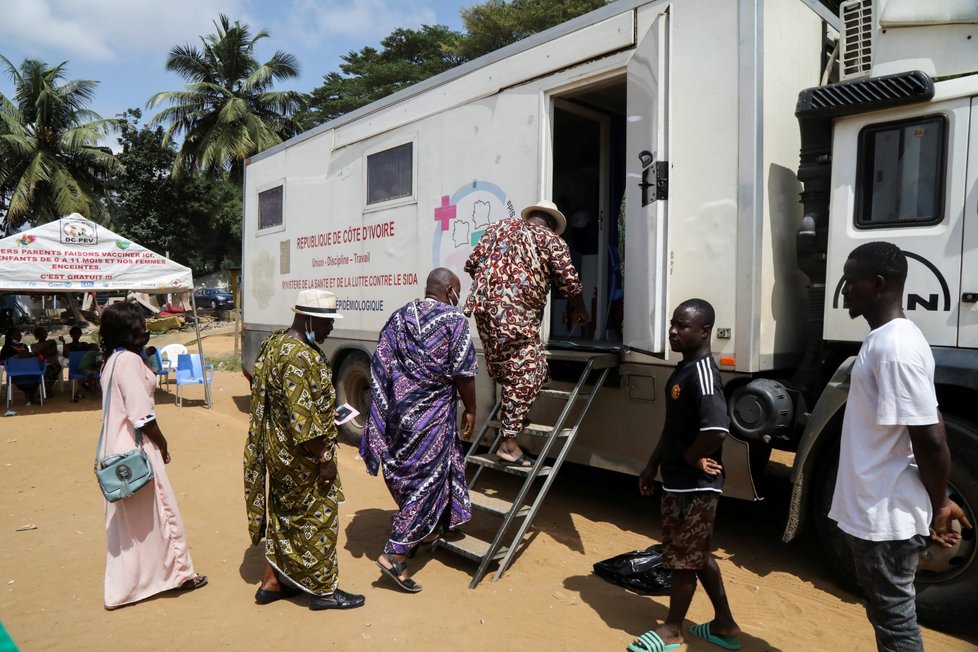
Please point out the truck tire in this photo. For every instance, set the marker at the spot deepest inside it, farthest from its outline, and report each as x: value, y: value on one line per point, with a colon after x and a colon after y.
x: 829, y: 534
x: 946, y: 595
x: 353, y: 387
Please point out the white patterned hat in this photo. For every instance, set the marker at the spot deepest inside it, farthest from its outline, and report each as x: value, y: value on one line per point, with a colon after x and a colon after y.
x: 316, y: 303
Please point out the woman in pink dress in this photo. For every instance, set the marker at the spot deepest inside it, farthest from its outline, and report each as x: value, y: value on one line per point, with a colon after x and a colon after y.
x: 147, y: 544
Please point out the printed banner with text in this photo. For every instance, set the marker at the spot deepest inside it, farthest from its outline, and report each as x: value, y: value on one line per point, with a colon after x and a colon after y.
x: 74, y: 253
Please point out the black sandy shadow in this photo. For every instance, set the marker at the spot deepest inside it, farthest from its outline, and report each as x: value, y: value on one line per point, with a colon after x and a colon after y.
x: 367, y: 532
x: 252, y: 567
x: 595, y: 494
x: 55, y: 403
x: 243, y: 403
x: 164, y: 397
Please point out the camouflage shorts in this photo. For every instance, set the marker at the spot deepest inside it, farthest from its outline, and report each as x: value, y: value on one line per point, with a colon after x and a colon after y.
x: 687, y: 528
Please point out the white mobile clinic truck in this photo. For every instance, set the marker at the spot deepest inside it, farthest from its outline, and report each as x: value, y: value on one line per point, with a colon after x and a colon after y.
x: 673, y: 127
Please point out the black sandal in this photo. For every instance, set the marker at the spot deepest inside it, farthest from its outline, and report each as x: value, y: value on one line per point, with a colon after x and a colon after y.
x: 395, y: 571
x: 194, y: 583
x: 524, y: 461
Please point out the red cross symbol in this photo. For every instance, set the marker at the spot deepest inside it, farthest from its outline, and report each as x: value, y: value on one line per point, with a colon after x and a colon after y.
x: 445, y: 213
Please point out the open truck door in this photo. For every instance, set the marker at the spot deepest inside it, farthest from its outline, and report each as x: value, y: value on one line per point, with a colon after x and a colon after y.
x: 646, y: 316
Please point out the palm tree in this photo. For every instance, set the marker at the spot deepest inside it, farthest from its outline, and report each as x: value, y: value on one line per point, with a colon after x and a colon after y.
x: 228, y: 111
x: 50, y: 160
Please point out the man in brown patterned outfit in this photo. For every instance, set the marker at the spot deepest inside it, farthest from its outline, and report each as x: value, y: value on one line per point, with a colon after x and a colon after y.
x: 512, y: 268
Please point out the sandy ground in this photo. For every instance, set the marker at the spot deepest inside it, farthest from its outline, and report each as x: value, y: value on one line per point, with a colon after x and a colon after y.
x: 51, y: 576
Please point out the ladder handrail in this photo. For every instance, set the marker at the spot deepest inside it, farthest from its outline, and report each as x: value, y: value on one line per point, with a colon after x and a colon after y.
x: 555, y: 467
x: 532, y: 475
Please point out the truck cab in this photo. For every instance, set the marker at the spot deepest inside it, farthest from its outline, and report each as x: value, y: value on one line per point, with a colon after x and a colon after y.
x: 890, y: 152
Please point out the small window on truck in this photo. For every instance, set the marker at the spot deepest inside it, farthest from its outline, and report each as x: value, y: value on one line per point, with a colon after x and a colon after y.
x: 901, y: 169
x: 390, y: 174
x: 270, y: 208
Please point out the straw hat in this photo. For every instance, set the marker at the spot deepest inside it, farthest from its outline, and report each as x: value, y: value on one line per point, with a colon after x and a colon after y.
x: 549, y: 208
x: 316, y: 303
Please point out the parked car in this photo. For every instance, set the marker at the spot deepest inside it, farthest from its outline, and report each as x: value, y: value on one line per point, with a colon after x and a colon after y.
x: 214, y: 298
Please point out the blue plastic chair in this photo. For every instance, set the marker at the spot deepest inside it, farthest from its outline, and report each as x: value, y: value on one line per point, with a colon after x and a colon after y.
x: 25, y: 368
x: 162, y: 370
x: 190, y: 371
x: 74, y: 370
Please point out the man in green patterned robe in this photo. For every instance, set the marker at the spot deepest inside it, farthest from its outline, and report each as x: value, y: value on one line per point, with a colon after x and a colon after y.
x: 292, y: 440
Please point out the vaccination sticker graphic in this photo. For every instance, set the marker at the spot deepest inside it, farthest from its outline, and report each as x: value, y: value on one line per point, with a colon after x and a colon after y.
x: 462, y: 218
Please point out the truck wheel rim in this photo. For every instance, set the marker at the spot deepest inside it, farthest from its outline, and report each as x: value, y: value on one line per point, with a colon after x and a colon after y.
x: 938, y: 565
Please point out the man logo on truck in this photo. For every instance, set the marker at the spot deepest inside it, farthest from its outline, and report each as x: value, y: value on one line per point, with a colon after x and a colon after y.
x: 932, y: 301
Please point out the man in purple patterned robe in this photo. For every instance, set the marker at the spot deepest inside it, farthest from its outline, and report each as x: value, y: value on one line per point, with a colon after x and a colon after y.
x: 424, y: 361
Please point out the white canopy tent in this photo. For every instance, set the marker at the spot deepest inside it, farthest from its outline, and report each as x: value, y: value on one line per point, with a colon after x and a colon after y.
x: 74, y: 254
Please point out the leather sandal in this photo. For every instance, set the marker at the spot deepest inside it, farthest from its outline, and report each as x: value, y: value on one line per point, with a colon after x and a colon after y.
x: 523, y: 460
x: 395, y: 571
x: 340, y: 600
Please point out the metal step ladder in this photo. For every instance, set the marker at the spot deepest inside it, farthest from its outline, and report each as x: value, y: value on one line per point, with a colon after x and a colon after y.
x: 558, y: 442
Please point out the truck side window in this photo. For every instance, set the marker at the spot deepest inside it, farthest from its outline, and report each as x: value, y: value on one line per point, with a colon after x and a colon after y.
x: 270, y: 208
x: 900, y: 178
x: 390, y: 174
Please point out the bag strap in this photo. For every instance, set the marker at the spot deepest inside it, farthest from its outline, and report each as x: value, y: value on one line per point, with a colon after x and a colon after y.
x: 107, y: 401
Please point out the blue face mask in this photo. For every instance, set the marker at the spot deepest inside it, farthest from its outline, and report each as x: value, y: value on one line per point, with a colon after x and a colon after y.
x: 310, y: 334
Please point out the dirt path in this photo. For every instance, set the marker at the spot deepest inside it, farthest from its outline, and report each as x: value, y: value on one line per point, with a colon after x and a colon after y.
x: 51, y: 576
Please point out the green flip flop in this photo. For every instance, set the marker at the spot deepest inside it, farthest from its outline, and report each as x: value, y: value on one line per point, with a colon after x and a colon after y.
x: 651, y: 642
x: 703, y: 631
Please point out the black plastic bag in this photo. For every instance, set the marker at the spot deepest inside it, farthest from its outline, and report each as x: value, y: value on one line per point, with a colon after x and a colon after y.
x: 640, y: 571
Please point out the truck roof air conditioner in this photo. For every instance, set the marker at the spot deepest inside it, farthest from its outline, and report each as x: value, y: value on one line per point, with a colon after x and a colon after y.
x: 858, y: 22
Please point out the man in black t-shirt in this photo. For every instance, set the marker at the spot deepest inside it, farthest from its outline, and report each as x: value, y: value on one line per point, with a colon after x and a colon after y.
x: 688, y: 454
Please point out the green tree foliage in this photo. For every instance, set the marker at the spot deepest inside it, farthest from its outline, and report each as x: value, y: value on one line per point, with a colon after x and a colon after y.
x: 495, y: 23
x: 196, y: 219
x: 50, y: 161
x: 406, y: 57
x: 228, y: 110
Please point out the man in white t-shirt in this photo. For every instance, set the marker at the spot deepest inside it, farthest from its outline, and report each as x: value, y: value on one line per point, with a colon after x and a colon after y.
x: 894, y: 463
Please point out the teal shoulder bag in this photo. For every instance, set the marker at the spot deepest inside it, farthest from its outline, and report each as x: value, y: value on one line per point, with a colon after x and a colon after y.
x: 122, y: 474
